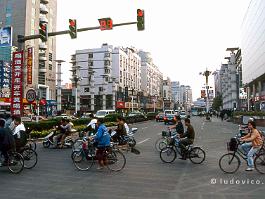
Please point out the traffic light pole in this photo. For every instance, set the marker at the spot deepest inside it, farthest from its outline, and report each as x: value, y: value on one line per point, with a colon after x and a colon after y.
x: 22, y: 39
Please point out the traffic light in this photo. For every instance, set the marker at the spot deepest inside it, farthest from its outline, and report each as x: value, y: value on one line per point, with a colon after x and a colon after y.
x: 140, y: 19
x: 43, y: 32
x: 72, y: 28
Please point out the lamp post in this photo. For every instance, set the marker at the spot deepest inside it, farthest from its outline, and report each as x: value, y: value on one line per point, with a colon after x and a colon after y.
x: 206, y: 73
x: 59, y: 84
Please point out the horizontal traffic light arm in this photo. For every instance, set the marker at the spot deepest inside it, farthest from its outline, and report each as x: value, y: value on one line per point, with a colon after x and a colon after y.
x: 22, y: 38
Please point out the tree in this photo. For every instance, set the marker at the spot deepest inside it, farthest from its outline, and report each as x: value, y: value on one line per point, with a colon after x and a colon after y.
x: 217, y: 103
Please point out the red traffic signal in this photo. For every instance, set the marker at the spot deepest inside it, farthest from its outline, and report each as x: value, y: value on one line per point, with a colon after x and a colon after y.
x: 72, y: 28
x: 140, y: 13
x: 140, y: 19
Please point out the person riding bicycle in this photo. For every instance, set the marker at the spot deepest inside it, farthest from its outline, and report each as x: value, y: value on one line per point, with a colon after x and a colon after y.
x: 65, y: 127
x: 7, y: 142
x: 179, y: 126
x: 19, y: 133
x: 255, y: 138
x: 102, y: 138
x: 91, y: 128
x: 186, y: 139
x: 120, y: 131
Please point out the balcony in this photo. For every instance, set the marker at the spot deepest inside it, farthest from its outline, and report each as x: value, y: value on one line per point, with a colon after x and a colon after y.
x: 43, y: 9
x: 42, y: 46
x: 43, y: 19
x: 42, y: 58
x: 44, y: 1
x: 42, y: 70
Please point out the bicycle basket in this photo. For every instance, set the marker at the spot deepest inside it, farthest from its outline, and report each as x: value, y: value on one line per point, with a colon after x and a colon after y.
x: 232, y: 145
x: 170, y: 141
x: 165, y: 133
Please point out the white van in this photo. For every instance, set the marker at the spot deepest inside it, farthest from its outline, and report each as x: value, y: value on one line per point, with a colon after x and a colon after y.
x: 169, y: 112
x: 103, y: 113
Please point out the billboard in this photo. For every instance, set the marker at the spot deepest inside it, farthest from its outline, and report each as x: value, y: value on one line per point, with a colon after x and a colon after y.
x: 5, y: 78
x: 6, y: 36
x: 17, y: 79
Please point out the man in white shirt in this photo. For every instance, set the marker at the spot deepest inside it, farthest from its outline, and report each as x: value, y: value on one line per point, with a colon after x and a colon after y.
x: 19, y: 127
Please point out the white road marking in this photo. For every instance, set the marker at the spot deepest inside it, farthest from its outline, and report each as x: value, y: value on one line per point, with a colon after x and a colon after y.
x: 144, y: 127
x: 159, y: 134
x: 202, y: 127
x: 143, y: 141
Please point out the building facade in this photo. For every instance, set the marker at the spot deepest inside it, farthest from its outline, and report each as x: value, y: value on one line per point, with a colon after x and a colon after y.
x: 31, y: 13
x: 253, y: 59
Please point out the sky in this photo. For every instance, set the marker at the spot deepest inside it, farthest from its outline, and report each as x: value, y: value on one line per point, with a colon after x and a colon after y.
x: 184, y: 37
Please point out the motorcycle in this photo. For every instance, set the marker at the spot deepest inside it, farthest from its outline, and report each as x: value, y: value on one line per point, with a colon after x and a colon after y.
x: 48, y: 141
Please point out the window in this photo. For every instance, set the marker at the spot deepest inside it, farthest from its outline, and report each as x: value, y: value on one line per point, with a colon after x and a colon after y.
x: 107, y: 63
x: 90, y: 55
x: 50, y: 56
x: 107, y: 55
x: 90, y: 63
x: 86, y: 90
x: 106, y: 79
x: 107, y: 71
x: 50, y: 66
x: 100, y: 89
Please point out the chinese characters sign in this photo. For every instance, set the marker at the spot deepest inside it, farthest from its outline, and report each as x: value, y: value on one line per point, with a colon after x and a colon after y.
x: 29, y: 65
x: 5, y: 77
x: 17, y: 79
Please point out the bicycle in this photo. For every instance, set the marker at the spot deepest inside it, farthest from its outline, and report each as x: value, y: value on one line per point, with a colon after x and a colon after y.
x: 30, y: 156
x: 169, y: 153
x: 230, y: 162
x: 15, y: 162
x: 163, y: 141
x: 86, y: 157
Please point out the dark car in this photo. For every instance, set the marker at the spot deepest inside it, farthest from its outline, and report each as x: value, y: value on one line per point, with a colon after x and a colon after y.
x: 160, y: 117
x: 170, y: 118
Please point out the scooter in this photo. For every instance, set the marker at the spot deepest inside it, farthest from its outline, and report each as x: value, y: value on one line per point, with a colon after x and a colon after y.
x: 48, y: 141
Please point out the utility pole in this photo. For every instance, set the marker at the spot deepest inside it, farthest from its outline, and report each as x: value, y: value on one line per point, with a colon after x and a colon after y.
x: 59, y: 84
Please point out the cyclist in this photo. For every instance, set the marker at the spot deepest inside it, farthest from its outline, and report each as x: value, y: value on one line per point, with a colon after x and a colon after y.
x: 186, y: 139
x: 102, y: 138
x: 7, y: 141
x: 255, y: 138
x: 65, y: 127
x: 120, y: 131
x: 20, y: 139
x: 179, y: 126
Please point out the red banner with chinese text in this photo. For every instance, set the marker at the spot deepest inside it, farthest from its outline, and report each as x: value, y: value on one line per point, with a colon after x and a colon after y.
x: 29, y: 65
x: 17, y: 80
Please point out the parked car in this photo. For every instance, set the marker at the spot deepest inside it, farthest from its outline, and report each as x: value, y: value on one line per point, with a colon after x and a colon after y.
x: 26, y: 119
x: 41, y: 118
x: 182, y: 115
x: 103, y: 113
x: 65, y: 116
x: 170, y: 118
x: 160, y: 117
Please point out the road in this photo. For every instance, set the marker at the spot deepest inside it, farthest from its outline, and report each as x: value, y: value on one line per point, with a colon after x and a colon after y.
x: 145, y: 176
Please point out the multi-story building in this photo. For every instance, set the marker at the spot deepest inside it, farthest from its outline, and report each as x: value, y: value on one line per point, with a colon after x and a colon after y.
x: 175, y: 91
x: 106, y: 75
x: 151, y: 82
x: 167, y: 94
x: 31, y: 13
x: 253, y: 49
x: 229, y: 83
x: 185, y: 99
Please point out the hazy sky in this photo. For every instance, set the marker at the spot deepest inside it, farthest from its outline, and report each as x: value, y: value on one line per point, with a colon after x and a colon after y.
x: 183, y: 36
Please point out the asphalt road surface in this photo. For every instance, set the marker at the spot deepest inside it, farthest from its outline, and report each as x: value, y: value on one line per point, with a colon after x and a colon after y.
x: 144, y: 176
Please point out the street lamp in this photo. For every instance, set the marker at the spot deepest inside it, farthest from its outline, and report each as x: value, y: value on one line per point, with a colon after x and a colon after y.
x: 59, y: 84
x: 206, y: 73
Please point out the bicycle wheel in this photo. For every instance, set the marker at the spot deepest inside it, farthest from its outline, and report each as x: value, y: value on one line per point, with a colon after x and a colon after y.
x: 15, y: 162
x: 77, y: 145
x: 157, y: 144
x: 259, y: 163
x: 168, y: 154
x: 30, y: 158
x: 32, y: 144
x: 82, y: 161
x: 229, y: 163
x: 196, y: 155
x: 115, y: 160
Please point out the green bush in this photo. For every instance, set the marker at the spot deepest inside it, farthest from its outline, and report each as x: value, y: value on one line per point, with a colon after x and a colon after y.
x: 249, y: 113
x: 111, y: 117
x: 151, y: 115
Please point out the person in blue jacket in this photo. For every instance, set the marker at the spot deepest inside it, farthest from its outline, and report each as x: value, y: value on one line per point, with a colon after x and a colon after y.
x: 102, y: 138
